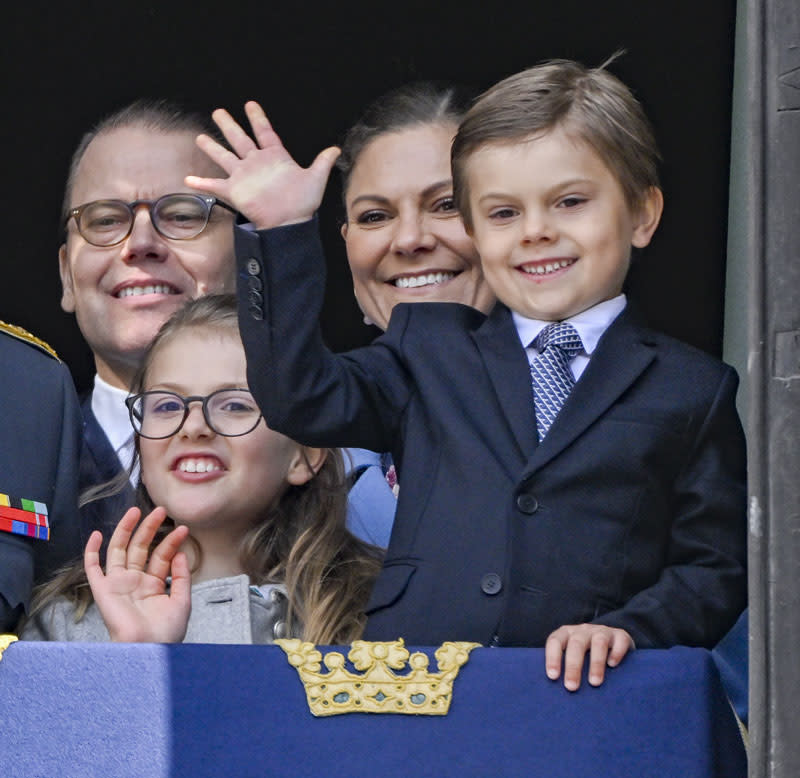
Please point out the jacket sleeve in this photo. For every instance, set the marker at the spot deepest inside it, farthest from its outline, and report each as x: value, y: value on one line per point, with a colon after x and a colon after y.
x: 65, y: 544
x: 703, y: 585
x: 304, y: 390
x: 16, y: 578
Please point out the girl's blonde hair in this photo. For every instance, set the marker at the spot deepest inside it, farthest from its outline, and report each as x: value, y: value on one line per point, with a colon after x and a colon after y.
x: 301, y: 541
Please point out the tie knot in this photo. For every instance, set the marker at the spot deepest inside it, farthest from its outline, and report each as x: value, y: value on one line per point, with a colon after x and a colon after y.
x: 562, y: 335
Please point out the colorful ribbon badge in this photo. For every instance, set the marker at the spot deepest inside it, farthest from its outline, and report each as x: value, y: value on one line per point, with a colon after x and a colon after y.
x: 24, y: 517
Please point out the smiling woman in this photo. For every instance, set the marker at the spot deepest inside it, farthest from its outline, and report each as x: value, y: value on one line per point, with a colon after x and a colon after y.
x: 405, y: 239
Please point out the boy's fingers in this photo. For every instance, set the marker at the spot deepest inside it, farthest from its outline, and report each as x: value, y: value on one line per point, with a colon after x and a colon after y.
x: 554, y: 652
x: 240, y: 141
x: 261, y: 125
x: 216, y: 152
x: 621, y: 644
x: 598, y: 656
x: 215, y: 186
x: 574, y: 656
x: 117, y: 553
x: 323, y: 163
x: 606, y: 646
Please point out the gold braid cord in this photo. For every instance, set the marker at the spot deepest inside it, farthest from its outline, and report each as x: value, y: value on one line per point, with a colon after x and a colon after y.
x: 5, y: 642
x: 376, y: 688
x: 22, y: 334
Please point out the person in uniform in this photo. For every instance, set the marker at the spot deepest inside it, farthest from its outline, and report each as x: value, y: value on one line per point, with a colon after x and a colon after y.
x: 40, y: 435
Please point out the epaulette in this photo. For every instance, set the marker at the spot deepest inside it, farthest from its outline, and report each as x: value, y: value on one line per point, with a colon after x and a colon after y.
x: 22, y: 334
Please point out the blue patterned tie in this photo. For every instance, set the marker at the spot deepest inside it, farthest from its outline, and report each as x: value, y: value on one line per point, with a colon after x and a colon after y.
x: 552, y: 378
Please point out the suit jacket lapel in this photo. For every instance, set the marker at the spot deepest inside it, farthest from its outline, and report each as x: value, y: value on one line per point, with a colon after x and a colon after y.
x: 623, y: 353
x: 509, y: 371
x: 103, y: 463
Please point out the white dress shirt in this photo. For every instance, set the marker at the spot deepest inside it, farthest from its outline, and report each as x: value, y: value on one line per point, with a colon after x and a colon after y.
x: 590, y: 324
x: 108, y: 407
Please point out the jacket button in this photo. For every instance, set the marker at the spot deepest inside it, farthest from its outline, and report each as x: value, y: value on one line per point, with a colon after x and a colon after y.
x: 255, y: 313
x: 491, y: 583
x: 255, y: 298
x: 254, y: 283
x: 253, y: 266
x: 527, y: 503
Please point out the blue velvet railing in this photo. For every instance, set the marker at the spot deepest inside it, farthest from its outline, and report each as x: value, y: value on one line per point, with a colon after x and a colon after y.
x: 200, y: 710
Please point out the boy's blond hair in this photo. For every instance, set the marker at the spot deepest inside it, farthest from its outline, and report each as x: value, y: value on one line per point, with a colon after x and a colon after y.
x: 592, y: 105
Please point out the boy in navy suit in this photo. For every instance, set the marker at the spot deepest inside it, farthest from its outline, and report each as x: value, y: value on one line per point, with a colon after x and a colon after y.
x: 614, y: 521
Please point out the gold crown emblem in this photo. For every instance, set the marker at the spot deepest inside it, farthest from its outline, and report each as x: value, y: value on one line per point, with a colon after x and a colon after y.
x: 376, y: 688
x: 5, y: 641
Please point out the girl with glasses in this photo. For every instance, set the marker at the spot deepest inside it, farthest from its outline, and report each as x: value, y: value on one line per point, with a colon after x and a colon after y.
x: 243, y: 538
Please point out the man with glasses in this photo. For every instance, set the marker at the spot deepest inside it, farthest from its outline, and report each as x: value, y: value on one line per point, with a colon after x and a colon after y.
x: 138, y: 244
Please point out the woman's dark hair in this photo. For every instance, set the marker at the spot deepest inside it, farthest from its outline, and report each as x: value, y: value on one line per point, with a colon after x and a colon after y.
x: 424, y: 102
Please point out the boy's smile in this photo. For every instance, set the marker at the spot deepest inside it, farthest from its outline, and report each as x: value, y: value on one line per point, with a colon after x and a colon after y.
x: 552, y: 225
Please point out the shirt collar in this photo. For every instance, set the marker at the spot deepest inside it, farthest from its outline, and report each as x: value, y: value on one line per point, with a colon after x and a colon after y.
x: 590, y: 324
x: 108, y: 407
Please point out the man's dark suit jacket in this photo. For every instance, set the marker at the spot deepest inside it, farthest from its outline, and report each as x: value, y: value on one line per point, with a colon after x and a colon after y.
x: 100, y: 464
x: 630, y: 513
x: 40, y: 435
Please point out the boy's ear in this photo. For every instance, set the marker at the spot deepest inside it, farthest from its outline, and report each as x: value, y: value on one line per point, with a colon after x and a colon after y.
x: 305, y: 464
x: 67, y: 288
x: 649, y: 215
x: 343, y: 231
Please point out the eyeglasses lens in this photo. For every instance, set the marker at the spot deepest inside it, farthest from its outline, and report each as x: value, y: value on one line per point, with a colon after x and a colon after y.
x: 180, y: 216
x: 106, y: 222
x: 229, y: 412
x: 233, y: 412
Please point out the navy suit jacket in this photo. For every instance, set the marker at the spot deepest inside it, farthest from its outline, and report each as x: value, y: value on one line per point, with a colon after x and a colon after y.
x: 99, y: 464
x: 630, y: 513
x: 40, y: 435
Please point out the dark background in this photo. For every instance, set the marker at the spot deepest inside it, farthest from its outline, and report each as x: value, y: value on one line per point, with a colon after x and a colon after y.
x: 314, y: 68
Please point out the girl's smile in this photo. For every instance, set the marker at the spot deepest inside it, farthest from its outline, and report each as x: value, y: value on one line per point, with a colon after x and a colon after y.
x: 204, y: 479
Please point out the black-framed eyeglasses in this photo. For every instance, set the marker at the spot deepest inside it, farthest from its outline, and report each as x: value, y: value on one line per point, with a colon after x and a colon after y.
x: 176, y: 216
x: 229, y: 412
